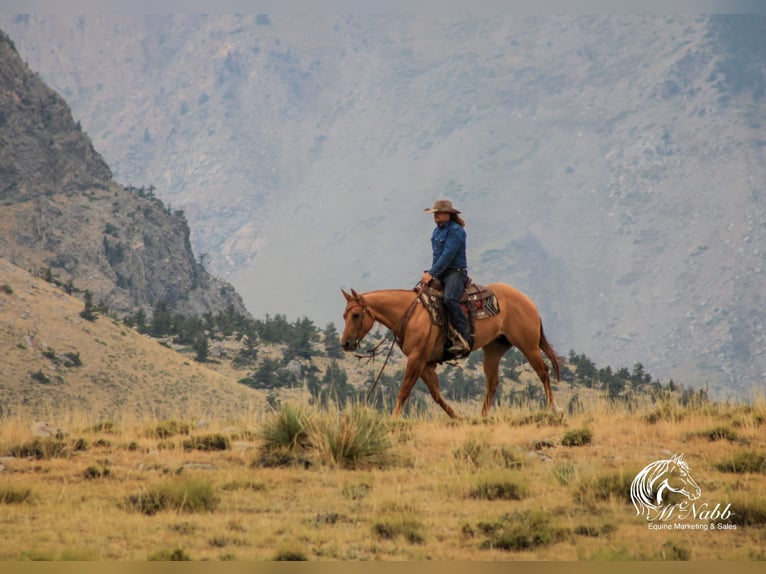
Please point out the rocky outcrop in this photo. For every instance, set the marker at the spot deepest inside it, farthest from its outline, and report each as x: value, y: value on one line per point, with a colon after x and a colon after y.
x: 65, y: 216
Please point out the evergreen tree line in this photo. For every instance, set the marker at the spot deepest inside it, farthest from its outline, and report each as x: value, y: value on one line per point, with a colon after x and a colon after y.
x: 302, y: 341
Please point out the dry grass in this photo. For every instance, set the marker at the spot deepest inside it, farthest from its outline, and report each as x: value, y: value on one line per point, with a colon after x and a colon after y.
x: 118, y: 372
x: 501, y: 489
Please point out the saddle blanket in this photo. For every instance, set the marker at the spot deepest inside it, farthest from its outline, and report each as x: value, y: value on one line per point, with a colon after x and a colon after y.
x: 478, y: 302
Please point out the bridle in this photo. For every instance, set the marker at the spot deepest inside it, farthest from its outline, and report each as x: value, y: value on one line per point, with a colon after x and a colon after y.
x: 363, y: 309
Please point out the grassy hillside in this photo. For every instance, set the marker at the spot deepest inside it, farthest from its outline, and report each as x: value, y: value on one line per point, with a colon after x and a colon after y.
x: 522, y: 485
x: 52, y: 359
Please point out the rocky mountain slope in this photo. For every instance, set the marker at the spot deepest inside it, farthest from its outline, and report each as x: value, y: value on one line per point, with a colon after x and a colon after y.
x: 63, y: 213
x: 611, y: 167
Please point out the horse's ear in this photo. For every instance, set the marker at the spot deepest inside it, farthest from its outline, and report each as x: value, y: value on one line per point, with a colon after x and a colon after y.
x: 678, y: 458
x: 346, y: 295
x: 355, y: 294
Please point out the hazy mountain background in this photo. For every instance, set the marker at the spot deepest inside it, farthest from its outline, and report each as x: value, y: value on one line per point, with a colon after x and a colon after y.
x: 611, y: 167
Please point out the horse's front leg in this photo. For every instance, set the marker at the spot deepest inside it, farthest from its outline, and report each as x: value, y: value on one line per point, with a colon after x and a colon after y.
x: 431, y: 379
x: 412, y: 372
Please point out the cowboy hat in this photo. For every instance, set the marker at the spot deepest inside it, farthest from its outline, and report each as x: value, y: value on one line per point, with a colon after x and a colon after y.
x: 442, y: 205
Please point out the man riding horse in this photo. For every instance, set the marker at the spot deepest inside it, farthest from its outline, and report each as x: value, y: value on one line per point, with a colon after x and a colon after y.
x: 450, y: 267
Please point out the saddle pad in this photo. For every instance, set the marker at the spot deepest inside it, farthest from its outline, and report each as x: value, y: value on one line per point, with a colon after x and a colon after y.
x: 477, y: 300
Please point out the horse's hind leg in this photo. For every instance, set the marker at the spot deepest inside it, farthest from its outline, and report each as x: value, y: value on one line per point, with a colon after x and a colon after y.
x: 432, y: 382
x: 535, y: 358
x: 493, y: 354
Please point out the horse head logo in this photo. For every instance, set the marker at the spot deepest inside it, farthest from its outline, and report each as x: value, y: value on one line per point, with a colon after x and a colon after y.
x: 656, y: 489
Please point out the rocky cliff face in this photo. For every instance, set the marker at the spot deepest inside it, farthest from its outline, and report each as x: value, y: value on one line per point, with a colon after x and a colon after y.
x: 611, y: 167
x: 63, y: 212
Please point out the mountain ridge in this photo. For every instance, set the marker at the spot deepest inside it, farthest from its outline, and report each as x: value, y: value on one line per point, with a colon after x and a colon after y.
x: 65, y: 215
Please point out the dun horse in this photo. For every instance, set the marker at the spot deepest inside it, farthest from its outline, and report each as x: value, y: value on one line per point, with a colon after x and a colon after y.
x: 517, y: 325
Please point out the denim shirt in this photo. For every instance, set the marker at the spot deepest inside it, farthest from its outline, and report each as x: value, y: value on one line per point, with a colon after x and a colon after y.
x: 448, y: 244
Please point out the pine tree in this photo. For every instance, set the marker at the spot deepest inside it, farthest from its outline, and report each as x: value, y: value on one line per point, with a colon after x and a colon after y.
x: 89, y: 313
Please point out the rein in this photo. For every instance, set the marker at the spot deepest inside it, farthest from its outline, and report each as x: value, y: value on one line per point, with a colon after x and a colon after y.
x: 396, y: 337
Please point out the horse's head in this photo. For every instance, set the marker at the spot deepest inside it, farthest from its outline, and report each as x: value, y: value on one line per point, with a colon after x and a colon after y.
x: 358, y: 321
x: 678, y: 479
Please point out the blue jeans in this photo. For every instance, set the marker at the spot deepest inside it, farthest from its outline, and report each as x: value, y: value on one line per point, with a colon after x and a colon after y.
x: 454, y: 281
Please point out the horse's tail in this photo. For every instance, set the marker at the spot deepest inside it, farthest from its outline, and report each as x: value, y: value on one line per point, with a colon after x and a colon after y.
x: 546, y: 348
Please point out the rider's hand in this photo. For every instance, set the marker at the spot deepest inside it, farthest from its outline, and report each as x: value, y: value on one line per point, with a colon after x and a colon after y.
x: 426, y: 278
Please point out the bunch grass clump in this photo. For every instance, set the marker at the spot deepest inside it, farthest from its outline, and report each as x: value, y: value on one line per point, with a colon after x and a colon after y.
x: 603, y: 487
x: 520, y: 531
x: 285, y: 436
x: 41, y: 449
x: 744, y: 461
x: 500, y: 486
x: 169, y: 428
x: 540, y: 418
x: 356, y: 437
x: 208, y: 442
x: 180, y: 495
x: 401, y: 525
x: 577, y: 437
x: 476, y: 453
x: 748, y: 511
x: 10, y: 494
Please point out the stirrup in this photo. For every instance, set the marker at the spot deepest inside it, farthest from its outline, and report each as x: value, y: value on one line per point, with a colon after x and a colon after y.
x: 460, y: 347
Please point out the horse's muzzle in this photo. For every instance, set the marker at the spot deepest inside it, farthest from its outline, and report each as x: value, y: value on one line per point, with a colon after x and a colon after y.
x: 350, y: 345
